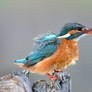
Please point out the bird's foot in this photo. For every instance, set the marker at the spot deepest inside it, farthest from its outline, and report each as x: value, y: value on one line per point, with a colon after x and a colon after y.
x: 52, y: 76
x: 54, y: 81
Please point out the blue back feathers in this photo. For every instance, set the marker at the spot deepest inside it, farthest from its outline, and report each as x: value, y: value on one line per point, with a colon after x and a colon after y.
x: 46, y: 46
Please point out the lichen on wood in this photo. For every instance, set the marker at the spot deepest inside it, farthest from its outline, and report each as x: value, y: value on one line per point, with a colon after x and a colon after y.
x: 20, y: 82
x: 61, y: 85
x: 15, y: 82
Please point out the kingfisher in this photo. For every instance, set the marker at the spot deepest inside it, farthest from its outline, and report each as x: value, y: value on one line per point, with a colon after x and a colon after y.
x: 55, y: 52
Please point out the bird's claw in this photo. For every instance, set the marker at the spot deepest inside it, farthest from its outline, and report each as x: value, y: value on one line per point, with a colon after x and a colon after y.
x: 52, y: 76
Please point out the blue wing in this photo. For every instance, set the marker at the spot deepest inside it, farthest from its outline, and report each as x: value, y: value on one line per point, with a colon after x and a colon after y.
x: 46, y: 47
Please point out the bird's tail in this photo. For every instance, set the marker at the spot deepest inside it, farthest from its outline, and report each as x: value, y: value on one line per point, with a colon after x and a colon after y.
x: 20, y: 62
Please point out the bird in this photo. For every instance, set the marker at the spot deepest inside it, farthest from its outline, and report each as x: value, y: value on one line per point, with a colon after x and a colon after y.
x: 55, y: 52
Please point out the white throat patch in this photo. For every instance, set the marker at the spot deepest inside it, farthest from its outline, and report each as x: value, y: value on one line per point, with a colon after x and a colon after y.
x: 64, y: 36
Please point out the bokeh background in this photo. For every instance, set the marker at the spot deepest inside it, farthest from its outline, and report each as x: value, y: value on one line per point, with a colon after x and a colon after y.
x: 22, y: 20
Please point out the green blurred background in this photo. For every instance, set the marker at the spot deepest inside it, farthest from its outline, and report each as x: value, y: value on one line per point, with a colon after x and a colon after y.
x: 22, y: 20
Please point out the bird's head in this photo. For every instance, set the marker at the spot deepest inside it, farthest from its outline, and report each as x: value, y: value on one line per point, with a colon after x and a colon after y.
x: 72, y: 31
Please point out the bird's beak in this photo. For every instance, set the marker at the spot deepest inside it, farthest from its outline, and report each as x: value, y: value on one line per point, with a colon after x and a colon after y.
x: 87, y: 31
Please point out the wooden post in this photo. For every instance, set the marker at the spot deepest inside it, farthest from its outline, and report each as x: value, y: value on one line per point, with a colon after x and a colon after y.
x: 20, y: 82
x: 63, y: 84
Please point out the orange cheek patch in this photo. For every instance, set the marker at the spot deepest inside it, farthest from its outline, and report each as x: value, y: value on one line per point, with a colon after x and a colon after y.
x: 73, y: 31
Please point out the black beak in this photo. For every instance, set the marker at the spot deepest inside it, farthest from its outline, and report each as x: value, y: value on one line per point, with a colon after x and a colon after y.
x: 87, y: 31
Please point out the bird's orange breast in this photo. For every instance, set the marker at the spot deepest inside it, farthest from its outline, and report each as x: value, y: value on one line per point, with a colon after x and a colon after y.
x: 63, y: 57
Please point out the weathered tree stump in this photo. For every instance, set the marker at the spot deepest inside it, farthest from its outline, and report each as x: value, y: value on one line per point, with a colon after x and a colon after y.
x: 20, y: 82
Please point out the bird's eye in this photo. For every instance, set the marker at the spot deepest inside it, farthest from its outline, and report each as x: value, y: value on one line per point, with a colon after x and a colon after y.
x: 79, y: 29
